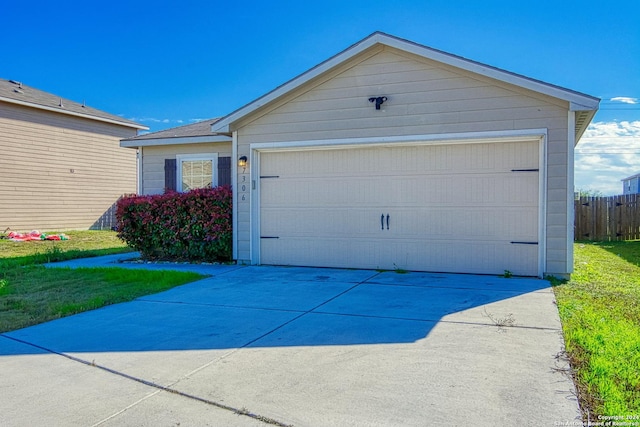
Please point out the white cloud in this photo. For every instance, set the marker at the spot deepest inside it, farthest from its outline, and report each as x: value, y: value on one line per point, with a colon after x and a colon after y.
x: 148, y: 119
x: 607, y: 153
x: 155, y: 120
x: 625, y: 100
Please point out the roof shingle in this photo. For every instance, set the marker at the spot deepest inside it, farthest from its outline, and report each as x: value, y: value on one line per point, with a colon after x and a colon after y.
x: 201, y: 128
x: 13, y: 91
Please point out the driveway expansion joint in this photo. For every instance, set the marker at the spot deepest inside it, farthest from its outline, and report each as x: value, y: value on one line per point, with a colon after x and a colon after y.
x: 304, y: 313
x: 150, y: 301
x: 242, y: 411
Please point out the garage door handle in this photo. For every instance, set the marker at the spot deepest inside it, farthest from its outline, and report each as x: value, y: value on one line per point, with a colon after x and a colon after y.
x: 382, y: 221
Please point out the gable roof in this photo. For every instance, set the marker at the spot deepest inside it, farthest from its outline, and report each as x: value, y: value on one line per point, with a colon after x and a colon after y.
x: 631, y: 177
x: 186, y: 134
x: 584, y: 105
x: 14, y: 92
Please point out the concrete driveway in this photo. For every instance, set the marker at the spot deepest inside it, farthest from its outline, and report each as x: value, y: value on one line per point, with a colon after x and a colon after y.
x: 296, y: 346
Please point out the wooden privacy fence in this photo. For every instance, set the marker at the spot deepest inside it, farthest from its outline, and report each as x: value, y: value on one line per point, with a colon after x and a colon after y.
x: 607, y: 218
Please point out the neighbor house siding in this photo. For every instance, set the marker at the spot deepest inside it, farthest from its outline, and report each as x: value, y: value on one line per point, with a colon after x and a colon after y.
x: 424, y: 98
x: 61, y: 172
x: 153, y: 161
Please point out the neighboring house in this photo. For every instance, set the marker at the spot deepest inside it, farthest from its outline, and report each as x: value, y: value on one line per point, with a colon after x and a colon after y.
x: 393, y: 155
x: 182, y: 158
x: 631, y: 184
x: 61, y: 165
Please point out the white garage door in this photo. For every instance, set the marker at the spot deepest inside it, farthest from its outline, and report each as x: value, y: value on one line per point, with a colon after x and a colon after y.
x: 464, y: 208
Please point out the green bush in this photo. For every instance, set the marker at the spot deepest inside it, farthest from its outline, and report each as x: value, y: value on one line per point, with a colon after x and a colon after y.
x: 193, y: 226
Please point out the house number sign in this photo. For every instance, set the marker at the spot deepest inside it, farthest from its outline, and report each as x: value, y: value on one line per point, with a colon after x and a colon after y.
x: 243, y: 185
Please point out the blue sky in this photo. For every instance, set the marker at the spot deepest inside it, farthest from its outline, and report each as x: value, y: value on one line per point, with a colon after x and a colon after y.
x: 164, y: 64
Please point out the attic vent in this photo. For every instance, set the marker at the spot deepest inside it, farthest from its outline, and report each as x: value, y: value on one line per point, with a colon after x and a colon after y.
x: 18, y: 91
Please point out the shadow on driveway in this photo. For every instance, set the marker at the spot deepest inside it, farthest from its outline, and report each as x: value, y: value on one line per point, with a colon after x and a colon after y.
x: 258, y: 306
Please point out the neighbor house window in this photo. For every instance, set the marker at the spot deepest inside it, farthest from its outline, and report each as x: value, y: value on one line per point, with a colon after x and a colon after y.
x: 196, y: 171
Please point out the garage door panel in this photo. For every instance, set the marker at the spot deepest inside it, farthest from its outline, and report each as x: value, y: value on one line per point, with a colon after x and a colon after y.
x: 454, y: 208
x: 299, y: 250
x: 391, y: 161
x: 318, y: 192
x: 486, y: 223
x: 437, y: 255
x: 298, y: 222
x: 510, y: 189
x: 505, y: 224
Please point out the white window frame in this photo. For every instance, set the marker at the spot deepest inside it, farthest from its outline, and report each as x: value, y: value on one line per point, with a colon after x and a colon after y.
x: 195, y: 157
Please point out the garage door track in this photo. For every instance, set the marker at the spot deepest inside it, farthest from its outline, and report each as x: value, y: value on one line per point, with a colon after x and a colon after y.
x: 254, y: 345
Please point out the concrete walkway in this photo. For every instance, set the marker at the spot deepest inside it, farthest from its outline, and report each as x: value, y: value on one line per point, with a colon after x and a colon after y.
x: 253, y: 346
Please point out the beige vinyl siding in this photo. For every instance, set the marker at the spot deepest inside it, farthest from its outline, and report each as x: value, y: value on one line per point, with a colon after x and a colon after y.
x: 153, y: 158
x: 60, y: 172
x: 425, y: 98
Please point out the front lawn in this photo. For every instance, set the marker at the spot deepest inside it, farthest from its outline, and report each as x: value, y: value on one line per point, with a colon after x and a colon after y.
x: 600, y: 312
x: 32, y: 294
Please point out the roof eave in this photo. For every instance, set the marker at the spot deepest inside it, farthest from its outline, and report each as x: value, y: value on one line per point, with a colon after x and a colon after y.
x: 582, y: 123
x: 630, y: 177
x: 135, y: 143
x: 73, y: 113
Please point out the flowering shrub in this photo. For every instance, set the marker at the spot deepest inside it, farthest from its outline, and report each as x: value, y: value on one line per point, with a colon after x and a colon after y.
x: 193, y: 226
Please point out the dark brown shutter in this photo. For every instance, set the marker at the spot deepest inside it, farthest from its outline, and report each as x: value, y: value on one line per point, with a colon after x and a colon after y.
x: 170, y: 175
x: 224, y: 170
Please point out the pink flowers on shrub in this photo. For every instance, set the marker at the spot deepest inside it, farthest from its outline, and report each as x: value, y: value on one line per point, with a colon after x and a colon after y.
x: 193, y: 226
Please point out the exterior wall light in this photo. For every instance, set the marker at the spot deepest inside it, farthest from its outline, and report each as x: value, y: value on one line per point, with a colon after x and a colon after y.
x: 378, y: 100
x: 242, y: 162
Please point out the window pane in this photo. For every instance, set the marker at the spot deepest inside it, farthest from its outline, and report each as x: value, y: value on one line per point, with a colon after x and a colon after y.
x: 197, y: 174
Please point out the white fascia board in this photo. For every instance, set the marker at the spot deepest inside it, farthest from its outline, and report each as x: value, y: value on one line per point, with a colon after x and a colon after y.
x: 222, y: 125
x: 73, y: 113
x: 174, y: 141
x: 584, y: 106
x: 576, y: 99
x: 585, y: 101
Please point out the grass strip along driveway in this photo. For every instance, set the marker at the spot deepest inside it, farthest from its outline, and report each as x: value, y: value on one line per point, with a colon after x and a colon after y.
x: 600, y: 313
x: 32, y: 294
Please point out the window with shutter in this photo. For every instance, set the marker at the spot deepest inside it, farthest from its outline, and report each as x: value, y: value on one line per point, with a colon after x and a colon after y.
x: 195, y: 171
x: 224, y: 170
x: 170, y: 175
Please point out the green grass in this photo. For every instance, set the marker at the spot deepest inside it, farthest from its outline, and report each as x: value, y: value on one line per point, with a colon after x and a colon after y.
x: 32, y: 294
x: 600, y: 312
x: 81, y: 244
